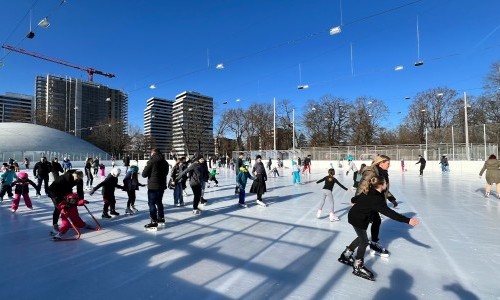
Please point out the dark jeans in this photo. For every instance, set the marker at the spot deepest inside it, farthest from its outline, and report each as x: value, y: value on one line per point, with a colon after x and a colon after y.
x: 242, y: 196
x: 6, y: 188
x: 422, y: 170
x: 361, y: 242
x: 178, y: 197
x: 155, y: 204
x: 45, y: 180
x: 131, y: 198
x: 196, y: 195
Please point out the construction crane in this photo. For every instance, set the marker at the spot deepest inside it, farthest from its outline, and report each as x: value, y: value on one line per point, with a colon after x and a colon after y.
x: 90, y: 71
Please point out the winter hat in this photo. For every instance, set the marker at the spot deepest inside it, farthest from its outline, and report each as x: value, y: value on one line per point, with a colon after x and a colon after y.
x: 134, y: 169
x: 22, y: 175
x: 258, y: 156
x: 198, y: 157
x: 246, y: 164
x: 116, y: 172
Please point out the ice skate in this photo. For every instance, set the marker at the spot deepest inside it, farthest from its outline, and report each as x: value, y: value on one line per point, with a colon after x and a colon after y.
x: 129, y: 211
x: 242, y: 205
x: 105, y: 215
x: 486, y: 195
x: 13, y: 210
x: 196, y: 212
x: 360, y: 270
x: 54, y: 230
x: 161, y: 222
x: 259, y: 202
x: 346, y: 257
x: 178, y: 205
x: 114, y: 213
x: 333, y: 217
x: 134, y: 209
x: 153, y: 226
x: 57, y: 237
x: 318, y: 214
x: 377, y: 249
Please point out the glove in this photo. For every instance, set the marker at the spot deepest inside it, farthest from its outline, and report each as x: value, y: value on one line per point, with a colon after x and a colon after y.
x: 86, y: 202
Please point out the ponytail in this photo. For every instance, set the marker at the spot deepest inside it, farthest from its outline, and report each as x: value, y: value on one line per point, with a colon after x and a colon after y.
x: 375, y: 182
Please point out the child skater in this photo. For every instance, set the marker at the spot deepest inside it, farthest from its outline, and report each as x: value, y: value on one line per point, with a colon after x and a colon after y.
x: 371, y: 200
x: 7, y: 179
x: 330, y: 181
x: 22, y: 188
x: 69, y: 212
x: 102, y: 168
x: 108, y: 193
x: 211, y: 177
x: 241, y: 181
x: 130, y: 185
x: 295, y: 172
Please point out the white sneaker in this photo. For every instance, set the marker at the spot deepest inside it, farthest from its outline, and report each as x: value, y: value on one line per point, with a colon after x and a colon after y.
x: 333, y: 217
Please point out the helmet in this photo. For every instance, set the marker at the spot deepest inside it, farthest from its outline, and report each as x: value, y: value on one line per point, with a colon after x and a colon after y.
x: 22, y: 175
x: 116, y: 172
x: 246, y: 164
x: 72, y: 198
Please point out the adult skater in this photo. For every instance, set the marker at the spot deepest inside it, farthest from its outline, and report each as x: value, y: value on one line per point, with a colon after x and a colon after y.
x: 444, y: 163
x: 422, y: 163
x: 60, y: 188
x: 156, y: 171
x: 195, y: 172
x: 371, y: 201
x: 259, y: 184
x: 379, y: 167
x: 492, y: 166
x: 351, y: 166
x: 41, y: 171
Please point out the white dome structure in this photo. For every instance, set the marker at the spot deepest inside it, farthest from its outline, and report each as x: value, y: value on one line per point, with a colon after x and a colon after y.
x: 21, y: 140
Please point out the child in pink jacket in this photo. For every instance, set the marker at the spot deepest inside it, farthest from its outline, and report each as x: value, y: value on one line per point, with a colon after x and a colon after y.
x: 22, y: 188
x: 69, y: 212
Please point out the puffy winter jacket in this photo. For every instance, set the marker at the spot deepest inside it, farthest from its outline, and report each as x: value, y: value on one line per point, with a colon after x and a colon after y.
x: 156, y: 171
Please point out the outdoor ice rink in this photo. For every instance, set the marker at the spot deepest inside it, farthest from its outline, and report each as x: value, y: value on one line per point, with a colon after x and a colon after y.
x: 277, y: 252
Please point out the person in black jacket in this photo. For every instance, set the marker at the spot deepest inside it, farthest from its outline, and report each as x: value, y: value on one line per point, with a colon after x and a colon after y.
x: 60, y: 188
x: 364, y: 205
x: 422, y: 163
x: 56, y: 168
x: 109, y: 184
x: 178, y: 184
x: 41, y: 172
x: 259, y: 184
x: 195, y: 172
x: 156, y: 171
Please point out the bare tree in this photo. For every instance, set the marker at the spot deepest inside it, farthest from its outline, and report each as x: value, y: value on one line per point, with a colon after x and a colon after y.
x: 236, y: 124
x: 364, y: 119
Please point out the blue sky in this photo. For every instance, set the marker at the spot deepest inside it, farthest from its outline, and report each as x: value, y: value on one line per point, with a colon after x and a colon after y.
x: 176, y: 46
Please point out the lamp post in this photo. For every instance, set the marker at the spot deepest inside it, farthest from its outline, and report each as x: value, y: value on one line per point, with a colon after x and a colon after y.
x: 76, y: 108
x: 293, y: 130
x: 467, y: 150
x: 452, y: 143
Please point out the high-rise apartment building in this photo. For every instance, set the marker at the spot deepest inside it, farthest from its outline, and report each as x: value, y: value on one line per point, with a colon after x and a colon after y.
x: 74, y: 105
x: 158, y: 123
x: 192, y: 124
x: 16, y: 108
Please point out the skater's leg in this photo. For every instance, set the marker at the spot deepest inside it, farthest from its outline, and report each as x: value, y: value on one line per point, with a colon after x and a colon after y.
x: 159, y: 205
x: 363, y: 242
x: 488, y: 188
x: 46, y: 184
x: 322, y: 200
x: 27, y: 200
x: 196, y: 196
x: 55, y: 216
x: 64, y: 224
x: 329, y: 196
x: 375, y: 229
x: 15, y: 202
x: 74, y: 217
x: 242, y: 196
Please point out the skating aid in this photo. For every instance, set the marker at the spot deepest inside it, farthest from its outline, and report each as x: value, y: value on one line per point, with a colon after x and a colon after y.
x: 69, y: 239
x: 98, y: 227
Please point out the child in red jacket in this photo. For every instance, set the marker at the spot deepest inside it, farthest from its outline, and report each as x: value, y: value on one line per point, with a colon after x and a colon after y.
x: 69, y: 212
x: 22, y: 188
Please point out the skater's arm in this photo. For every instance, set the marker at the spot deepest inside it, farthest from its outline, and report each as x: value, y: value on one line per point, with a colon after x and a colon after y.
x: 33, y: 185
x: 321, y: 180
x: 386, y: 211
x: 340, y: 184
x: 482, y: 170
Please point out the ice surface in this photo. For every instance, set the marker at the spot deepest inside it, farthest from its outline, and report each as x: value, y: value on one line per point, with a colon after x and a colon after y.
x: 277, y: 252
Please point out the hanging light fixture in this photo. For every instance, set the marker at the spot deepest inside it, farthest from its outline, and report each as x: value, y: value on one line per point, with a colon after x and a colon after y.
x: 303, y: 87
x: 220, y: 66
x: 398, y: 68
x: 30, y: 34
x: 152, y: 86
x: 419, y: 62
x: 335, y: 30
x: 44, y: 23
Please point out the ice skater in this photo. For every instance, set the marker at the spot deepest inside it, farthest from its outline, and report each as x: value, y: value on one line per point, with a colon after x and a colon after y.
x: 241, y: 180
x: 22, y: 188
x: 69, y: 213
x: 330, y: 181
x: 259, y: 184
x: 422, y: 163
x: 492, y: 166
x: 370, y: 201
x: 295, y: 172
x: 7, y: 179
x: 109, y: 184
x: 211, y: 177
x: 130, y: 185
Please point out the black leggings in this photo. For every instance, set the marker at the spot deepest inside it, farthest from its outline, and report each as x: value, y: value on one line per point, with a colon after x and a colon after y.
x: 131, y: 198
x: 361, y: 242
x: 375, y: 229
x: 196, y: 195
